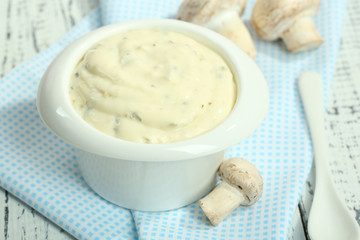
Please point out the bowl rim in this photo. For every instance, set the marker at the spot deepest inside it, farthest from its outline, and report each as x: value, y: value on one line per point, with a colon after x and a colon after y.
x: 58, y: 114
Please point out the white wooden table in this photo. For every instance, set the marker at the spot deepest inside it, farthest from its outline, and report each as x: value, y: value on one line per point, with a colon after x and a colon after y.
x: 28, y: 27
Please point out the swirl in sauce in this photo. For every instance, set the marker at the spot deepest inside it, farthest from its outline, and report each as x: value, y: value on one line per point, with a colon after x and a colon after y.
x: 151, y: 86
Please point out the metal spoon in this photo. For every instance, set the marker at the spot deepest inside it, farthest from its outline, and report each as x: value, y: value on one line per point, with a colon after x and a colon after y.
x: 329, y: 217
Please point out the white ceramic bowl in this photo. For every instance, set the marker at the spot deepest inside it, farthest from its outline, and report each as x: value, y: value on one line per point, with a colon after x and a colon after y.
x: 152, y: 177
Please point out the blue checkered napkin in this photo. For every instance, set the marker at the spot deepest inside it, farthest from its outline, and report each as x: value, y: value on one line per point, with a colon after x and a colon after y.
x: 40, y: 169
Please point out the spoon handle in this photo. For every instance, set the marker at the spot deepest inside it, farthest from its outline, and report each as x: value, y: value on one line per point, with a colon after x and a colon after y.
x: 311, y: 91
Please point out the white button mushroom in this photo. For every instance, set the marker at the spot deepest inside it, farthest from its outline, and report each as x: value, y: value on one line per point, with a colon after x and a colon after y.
x: 290, y: 20
x: 242, y: 185
x: 222, y: 16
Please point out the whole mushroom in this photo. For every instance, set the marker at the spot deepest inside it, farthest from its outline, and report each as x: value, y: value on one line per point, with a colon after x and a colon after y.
x: 222, y: 16
x: 290, y: 20
x: 242, y: 185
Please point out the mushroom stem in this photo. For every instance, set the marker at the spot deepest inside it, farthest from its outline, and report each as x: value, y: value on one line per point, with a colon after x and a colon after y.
x: 229, y: 24
x: 301, y: 36
x: 221, y: 202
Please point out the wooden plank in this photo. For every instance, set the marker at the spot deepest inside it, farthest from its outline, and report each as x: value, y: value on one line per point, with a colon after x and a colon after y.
x: 306, y: 200
x: 4, y: 220
x: 343, y: 120
x: 296, y: 231
x: 28, y: 27
x: 23, y: 222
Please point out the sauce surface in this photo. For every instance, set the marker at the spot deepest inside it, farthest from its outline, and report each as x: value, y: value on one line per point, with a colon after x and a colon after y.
x: 151, y: 86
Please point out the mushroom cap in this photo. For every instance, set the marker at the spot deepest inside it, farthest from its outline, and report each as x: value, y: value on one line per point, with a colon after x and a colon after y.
x: 244, y: 176
x: 270, y: 18
x: 201, y: 11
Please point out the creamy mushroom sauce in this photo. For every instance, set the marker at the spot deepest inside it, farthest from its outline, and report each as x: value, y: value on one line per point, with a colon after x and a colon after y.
x: 151, y: 86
